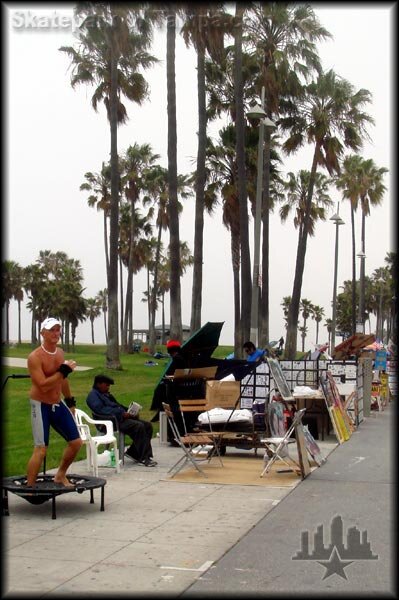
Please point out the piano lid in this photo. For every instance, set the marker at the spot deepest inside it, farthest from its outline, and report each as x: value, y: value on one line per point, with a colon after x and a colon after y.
x: 203, y: 342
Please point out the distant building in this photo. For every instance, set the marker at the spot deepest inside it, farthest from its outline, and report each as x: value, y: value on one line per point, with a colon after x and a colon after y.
x: 143, y: 335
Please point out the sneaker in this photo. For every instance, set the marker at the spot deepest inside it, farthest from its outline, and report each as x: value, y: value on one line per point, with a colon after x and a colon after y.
x: 148, y: 462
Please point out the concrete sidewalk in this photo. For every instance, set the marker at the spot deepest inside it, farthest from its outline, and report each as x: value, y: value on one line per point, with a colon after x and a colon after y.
x: 155, y: 536
x: 162, y: 537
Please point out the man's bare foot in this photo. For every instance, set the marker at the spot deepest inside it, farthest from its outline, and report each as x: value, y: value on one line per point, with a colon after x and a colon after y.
x: 63, y: 481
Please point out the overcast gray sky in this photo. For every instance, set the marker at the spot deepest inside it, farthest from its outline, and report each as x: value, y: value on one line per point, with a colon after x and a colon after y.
x: 55, y: 137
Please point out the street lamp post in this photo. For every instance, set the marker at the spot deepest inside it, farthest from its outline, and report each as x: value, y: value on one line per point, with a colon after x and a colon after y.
x: 257, y: 112
x: 337, y: 221
x: 360, y: 318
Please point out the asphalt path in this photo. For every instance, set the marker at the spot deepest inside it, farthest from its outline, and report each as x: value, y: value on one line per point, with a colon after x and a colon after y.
x: 8, y: 361
x: 355, y: 487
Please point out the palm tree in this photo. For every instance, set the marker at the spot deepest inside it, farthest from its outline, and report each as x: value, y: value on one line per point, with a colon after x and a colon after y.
x: 99, y: 184
x: 134, y: 247
x: 328, y: 324
x: 205, y: 33
x: 110, y: 56
x: 391, y: 261
x: 137, y: 160
x: 102, y: 297
x: 348, y: 182
x: 303, y: 331
x: 156, y: 179
x: 317, y: 315
x: 173, y: 208
x: 12, y: 278
x: 93, y: 310
x: 344, y: 308
x: 286, y: 307
x: 296, y: 188
x: 360, y: 180
x: 372, y: 191
x: 306, y: 308
x: 282, y: 36
x: 246, y: 283
x: 222, y: 178
x: 381, y: 294
x: 33, y: 280
x: 330, y: 115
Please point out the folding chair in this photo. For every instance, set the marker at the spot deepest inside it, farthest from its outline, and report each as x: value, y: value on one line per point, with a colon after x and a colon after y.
x: 187, y: 443
x: 278, y: 446
x: 201, y: 405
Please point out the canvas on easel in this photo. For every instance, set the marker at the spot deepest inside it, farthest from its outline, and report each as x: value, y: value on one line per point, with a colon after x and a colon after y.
x: 312, y: 447
x: 340, y: 406
x: 339, y: 418
x: 350, y: 405
x: 302, y: 453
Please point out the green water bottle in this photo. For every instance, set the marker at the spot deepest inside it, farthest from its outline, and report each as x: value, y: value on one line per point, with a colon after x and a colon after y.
x: 113, y: 461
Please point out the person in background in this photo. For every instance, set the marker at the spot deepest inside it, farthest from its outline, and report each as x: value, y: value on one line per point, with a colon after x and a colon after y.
x: 49, y: 371
x: 253, y: 354
x: 100, y: 401
x: 173, y: 348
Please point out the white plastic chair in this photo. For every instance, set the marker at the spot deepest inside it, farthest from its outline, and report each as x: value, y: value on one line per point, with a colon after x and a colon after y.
x: 92, y: 442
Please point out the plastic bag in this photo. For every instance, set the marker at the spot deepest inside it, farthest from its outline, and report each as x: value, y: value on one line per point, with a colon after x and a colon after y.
x: 104, y: 459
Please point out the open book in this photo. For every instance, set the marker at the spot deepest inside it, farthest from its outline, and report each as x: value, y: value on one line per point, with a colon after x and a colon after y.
x: 134, y: 408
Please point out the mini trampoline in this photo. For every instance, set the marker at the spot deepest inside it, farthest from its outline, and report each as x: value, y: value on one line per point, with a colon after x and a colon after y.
x: 46, y: 489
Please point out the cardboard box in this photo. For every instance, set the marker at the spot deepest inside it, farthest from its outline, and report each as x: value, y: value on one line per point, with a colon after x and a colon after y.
x: 222, y: 394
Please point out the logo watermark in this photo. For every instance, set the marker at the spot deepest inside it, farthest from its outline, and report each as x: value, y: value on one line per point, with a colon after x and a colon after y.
x: 339, y: 554
x: 26, y: 20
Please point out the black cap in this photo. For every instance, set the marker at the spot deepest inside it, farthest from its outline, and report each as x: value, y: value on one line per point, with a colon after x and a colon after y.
x: 103, y: 379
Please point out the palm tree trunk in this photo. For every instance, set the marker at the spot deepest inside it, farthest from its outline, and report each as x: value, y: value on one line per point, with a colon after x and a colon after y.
x: 19, y: 321
x: 174, y: 244
x: 362, y: 273
x: 353, y: 295
x: 129, y: 283
x: 112, y: 356
x: 33, y: 327
x: 246, y: 284
x: 7, y: 306
x: 235, y: 259
x: 154, y: 293
x: 196, y: 301
x: 121, y: 296
x: 293, y: 311
x: 106, y: 246
x: 163, y: 338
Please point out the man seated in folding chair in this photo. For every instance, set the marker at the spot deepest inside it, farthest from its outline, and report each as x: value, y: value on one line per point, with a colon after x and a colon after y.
x: 277, y: 447
x: 102, y: 402
x: 191, y: 444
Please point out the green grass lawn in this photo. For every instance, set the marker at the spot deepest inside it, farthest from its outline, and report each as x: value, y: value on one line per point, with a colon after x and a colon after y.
x: 134, y: 382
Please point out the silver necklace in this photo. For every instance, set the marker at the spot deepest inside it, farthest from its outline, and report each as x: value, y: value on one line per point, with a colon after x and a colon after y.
x: 47, y: 352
